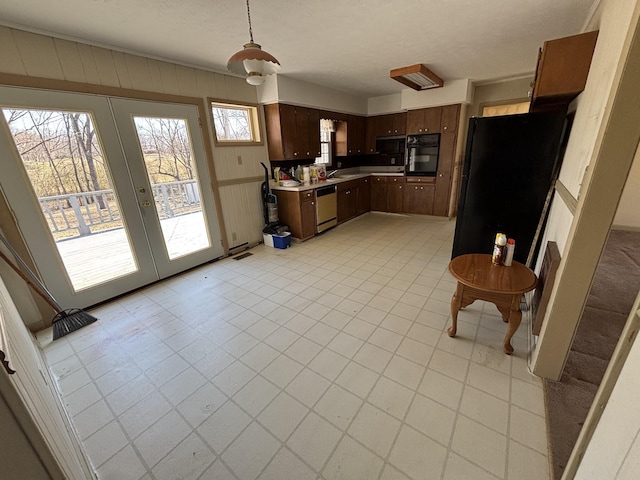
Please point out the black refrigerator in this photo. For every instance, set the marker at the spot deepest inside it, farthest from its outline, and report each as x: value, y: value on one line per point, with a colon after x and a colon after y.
x: 510, y: 165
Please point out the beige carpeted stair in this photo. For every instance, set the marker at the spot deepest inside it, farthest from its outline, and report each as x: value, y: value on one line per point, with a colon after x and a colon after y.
x: 612, y: 294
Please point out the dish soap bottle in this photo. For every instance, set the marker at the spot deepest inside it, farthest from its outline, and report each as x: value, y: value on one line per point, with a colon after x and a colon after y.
x: 299, y: 175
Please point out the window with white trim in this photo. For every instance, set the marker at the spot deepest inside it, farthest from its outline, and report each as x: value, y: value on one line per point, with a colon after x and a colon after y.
x: 235, y: 123
x: 327, y: 129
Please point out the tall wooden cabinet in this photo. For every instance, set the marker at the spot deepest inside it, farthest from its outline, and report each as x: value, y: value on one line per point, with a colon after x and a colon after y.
x: 450, y: 118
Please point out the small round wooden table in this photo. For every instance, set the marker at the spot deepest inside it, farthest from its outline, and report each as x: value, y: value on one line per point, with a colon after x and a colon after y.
x: 479, y: 279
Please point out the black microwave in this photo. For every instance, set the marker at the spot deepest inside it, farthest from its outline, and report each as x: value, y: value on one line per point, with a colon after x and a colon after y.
x: 391, y: 145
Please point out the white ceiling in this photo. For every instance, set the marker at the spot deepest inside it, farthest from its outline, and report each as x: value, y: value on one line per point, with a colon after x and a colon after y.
x: 349, y: 45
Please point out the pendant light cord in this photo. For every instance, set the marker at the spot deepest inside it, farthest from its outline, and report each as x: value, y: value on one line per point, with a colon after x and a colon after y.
x: 249, y: 17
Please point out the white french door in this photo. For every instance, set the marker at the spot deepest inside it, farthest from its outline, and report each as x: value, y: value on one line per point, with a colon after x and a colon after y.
x: 110, y: 194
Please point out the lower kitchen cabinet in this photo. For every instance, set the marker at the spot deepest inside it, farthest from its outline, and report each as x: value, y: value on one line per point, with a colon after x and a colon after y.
x: 364, y: 196
x: 418, y: 197
x: 442, y: 193
x: 297, y: 210
x: 395, y: 192
x: 378, y: 193
x: 395, y: 198
x: 347, y: 201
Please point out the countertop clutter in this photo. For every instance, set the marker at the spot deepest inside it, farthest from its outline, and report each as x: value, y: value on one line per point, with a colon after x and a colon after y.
x: 338, y: 178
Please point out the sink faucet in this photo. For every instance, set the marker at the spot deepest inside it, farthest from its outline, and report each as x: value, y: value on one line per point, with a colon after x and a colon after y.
x: 331, y: 174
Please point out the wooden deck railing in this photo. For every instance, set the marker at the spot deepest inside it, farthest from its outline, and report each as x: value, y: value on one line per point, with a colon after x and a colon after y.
x: 90, y: 212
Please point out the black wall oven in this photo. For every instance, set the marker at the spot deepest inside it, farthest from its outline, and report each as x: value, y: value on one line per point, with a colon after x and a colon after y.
x: 422, y: 154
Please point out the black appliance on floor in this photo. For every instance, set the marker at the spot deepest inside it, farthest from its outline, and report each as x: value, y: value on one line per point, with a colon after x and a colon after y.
x: 270, y: 207
x: 511, y: 163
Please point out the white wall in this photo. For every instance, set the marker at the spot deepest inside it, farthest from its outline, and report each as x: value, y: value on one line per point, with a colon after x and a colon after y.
x: 287, y: 90
x: 283, y: 89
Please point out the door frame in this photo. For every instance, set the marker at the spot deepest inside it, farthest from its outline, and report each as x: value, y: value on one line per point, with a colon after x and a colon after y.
x: 8, y: 223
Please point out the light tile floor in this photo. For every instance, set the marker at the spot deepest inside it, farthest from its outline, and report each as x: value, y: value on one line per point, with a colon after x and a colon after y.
x: 328, y: 360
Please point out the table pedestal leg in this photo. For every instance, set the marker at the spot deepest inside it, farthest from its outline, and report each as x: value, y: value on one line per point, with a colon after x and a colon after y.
x: 515, y: 317
x: 456, y: 304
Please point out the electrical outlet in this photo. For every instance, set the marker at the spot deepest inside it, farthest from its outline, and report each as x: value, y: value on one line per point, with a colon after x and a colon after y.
x: 234, y: 237
x: 239, y: 159
x: 339, y: 164
x: 393, y: 161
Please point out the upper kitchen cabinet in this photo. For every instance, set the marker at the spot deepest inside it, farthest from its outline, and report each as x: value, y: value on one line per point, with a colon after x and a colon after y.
x: 292, y: 132
x: 350, y: 136
x: 450, y: 118
x: 390, y: 125
x: 561, y: 73
x: 424, y: 120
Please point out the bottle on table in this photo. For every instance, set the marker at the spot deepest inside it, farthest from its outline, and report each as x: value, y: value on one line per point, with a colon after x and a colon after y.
x: 508, y: 257
x: 499, y: 249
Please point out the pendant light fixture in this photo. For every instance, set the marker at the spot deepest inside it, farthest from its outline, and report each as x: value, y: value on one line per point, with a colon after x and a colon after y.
x: 253, y: 62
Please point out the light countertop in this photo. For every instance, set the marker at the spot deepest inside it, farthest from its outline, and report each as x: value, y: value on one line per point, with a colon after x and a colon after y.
x: 339, y: 178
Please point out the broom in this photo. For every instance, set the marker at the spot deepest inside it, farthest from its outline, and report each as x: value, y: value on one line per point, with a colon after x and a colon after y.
x: 65, y: 321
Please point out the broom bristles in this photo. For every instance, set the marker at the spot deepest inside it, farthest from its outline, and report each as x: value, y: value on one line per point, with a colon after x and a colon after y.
x: 69, y: 321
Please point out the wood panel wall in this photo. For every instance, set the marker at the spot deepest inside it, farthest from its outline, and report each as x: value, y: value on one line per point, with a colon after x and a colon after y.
x: 43, y: 57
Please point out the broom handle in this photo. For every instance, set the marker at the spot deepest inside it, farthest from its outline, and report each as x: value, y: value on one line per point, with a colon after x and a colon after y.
x: 49, y: 300
x: 31, y: 280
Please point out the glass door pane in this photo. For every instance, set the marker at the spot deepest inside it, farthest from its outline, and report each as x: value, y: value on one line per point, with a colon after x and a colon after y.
x: 166, y: 158
x: 64, y: 161
x: 173, y: 176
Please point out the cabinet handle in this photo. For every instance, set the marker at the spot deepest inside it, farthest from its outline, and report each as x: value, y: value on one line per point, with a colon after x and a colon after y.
x: 313, y: 203
x: 444, y: 128
x: 421, y: 188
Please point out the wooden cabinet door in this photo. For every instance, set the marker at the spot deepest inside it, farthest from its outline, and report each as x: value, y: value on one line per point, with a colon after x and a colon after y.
x: 394, y: 198
x: 400, y: 123
x: 415, y: 119
x: 308, y: 214
x: 418, y: 198
x: 424, y: 120
x: 378, y: 194
x: 450, y: 118
x: 313, y: 118
x: 363, y: 196
x: 432, y: 118
x: 446, y: 154
x: 371, y: 133
x: 355, y: 135
x: 442, y: 192
x: 289, y: 211
x: 288, y: 128
x: 563, y: 67
x: 347, y: 199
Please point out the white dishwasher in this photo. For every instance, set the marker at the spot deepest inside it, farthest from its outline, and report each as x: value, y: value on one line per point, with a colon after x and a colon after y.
x: 326, y: 207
